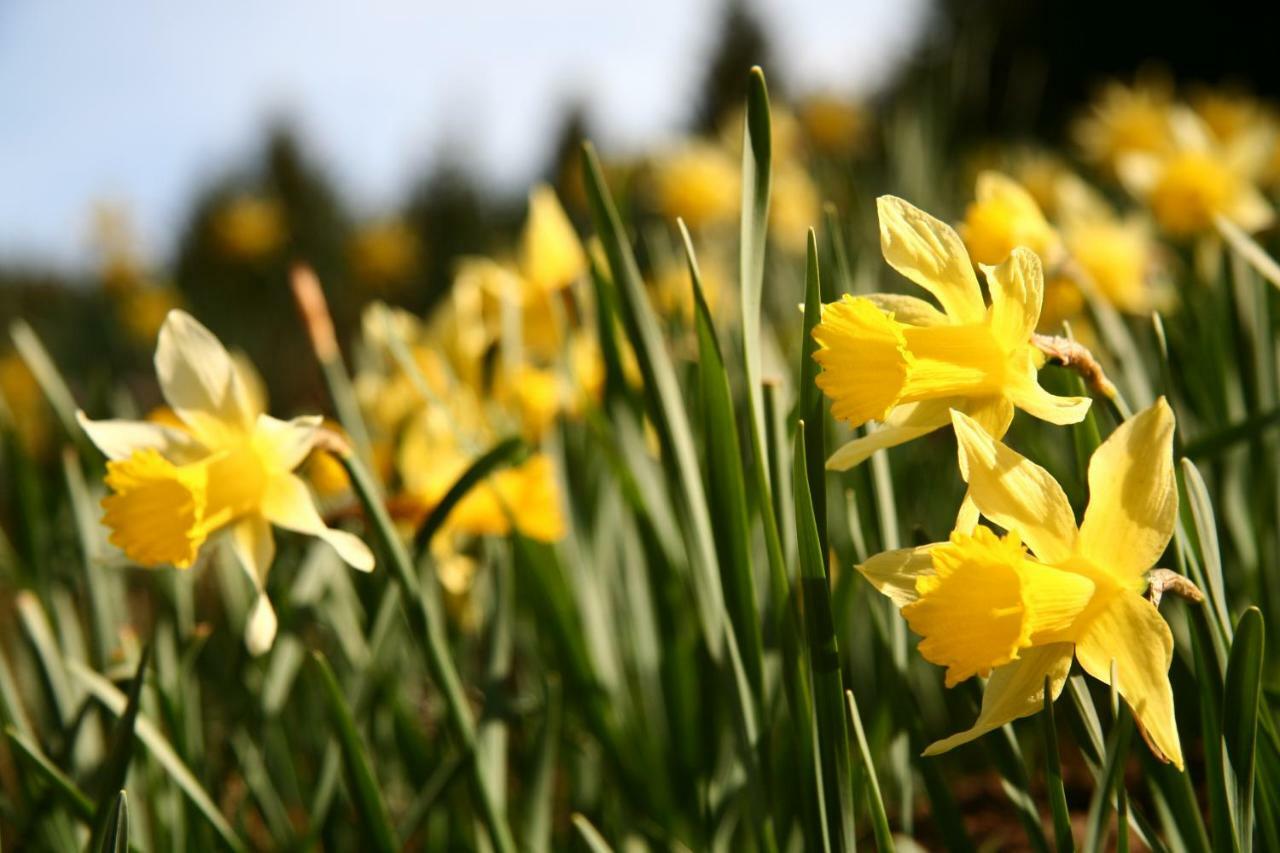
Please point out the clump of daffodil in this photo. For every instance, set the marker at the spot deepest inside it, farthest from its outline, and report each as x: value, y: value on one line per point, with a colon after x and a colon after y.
x: 224, y: 474
x: 698, y: 181
x: 384, y: 254
x: 984, y: 604
x: 1126, y: 120
x: 1199, y: 180
x: 249, y: 227
x: 1005, y: 215
x: 1234, y: 116
x: 901, y: 361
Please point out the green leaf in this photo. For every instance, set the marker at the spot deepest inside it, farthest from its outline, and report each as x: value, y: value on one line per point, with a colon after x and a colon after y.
x: 62, y: 784
x: 115, y: 838
x: 665, y: 404
x: 1062, y: 838
x: 757, y: 159
x: 1209, y: 690
x: 363, y: 785
x: 1240, y: 702
x: 726, y: 483
x: 160, y: 748
x: 1111, y: 782
x: 537, y: 827
x: 115, y: 770
x: 1207, y: 534
x: 824, y: 663
x: 875, y: 802
x: 590, y: 835
x: 812, y: 409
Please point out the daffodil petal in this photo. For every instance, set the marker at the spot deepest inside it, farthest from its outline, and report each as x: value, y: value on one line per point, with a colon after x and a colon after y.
x: 1251, y: 210
x: 909, y: 309
x: 894, y: 573
x: 1133, y: 496
x: 255, y: 547
x: 930, y: 253
x: 290, y: 441
x: 1015, y: 690
x: 903, y: 424
x: 1131, y: 631
x: 1039, y: 403
x: 118, y: 439
x: 287, y: 503
x: 1017, y: 292
x: 197, y: 376
x: 993, y: 414
x: 1014, y: 492
x: 260, y: 629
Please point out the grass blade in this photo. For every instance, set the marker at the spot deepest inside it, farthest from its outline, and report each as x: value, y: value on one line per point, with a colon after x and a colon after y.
x: 115, y: 838
x: 364, y: 785
x: 590, y: 835
x: 1062, y: 837
x: 724, y: 473
x: 115, y: 770
x: 811, y: 405
x: 824, y: 663
x: 664, y: 401
x: 1240, y: 701
x: 62, y: 784
x: 160, y: 749
x: 757, y: 159
x: 875, y: 802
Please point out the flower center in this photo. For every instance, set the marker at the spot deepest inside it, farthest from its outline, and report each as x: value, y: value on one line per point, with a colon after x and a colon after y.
x: 1192, y: 188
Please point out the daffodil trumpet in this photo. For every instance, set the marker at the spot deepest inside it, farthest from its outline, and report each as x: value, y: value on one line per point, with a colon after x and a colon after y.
x: 224, y: 472
x: 1019, y: 607
x: 901, y: 361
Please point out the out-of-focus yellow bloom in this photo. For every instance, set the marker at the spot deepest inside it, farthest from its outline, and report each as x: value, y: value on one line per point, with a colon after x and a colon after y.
x: 142, y: 311
x: 899, y: 360
x: 699, y: 182
x: 119, y: 267
x: 793, y: 208
x: 1126, y: 120
x: 673, y: 290
x: 1119, y: 256
x: 1232, y: 116
x: 229, y: 469
x: 834, y: 125
x: 537, y: 394
x: 1003, y: 216
x: 1063, y: 301
x: 384, y: 254
x: 1040, y: 173
x: 551, y: 255
x: 1198, y: 181
x: 984, y: 605
x: 21, y: 395
x: 249, y: 227
x: 431, y: 460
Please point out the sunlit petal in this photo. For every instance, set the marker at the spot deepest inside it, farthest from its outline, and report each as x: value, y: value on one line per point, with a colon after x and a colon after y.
x: 930, y: 253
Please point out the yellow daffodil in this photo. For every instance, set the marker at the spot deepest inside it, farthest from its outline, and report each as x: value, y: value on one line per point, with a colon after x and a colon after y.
x: 249, y: 227
x: 1233, y: 115
x: 1119, y: 255
x: 551, y: 255
x: 227, y: 470
x: 834, y: 125
x: 384, y: 254
x: 1004, y: 216
x: 1126, y: 120
x: 985, y: 605
x: 432, y: 458
x: 899, y: 360
x: 1199, y: 180
x: 699, y: 182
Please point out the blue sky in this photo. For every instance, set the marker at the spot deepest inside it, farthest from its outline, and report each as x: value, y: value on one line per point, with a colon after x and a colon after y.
x: 140, y: 101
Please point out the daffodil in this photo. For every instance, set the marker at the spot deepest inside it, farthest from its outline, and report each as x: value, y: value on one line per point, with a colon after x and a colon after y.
x: 1003, y: 216
x: 899, y: 360
x: 249, y: 227
x: 384, y: 254
x: 699, y: 182
x: 985, y: 605
x: 1199, y: 180
x: 226, y: 473
x: 1126, y: 120
x: 551, y: 255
